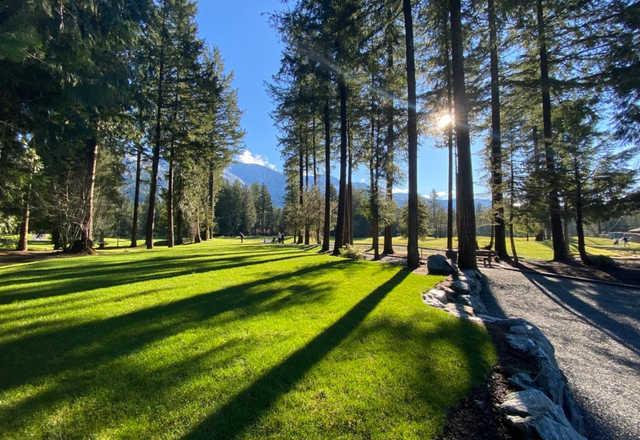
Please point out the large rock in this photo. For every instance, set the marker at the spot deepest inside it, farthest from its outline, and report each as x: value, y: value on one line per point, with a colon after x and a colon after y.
x: 438, y: 265
x: 532, y: 411
x: 528, y: 339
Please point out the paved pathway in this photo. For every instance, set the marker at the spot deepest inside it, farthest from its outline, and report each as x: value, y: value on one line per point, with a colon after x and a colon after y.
x: 595, y: 329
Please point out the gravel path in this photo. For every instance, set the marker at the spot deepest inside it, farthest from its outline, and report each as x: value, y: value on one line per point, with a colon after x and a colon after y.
x: 595, y: 329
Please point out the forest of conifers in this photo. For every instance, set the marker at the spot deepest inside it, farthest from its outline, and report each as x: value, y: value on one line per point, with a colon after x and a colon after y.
x: 549, y: 88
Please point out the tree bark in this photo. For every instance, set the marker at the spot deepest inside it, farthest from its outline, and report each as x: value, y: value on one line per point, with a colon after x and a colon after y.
x: 349, y: 211
x: 558, y: 239
x: 155, y: 160
x: 313, y: 153
x: 179, y: 226
x: 23, y: 239
x: 373, y: 175
x: 211, y: 202
x: 92, y: 161
x: 307, y: 226
x: 413, y: 257
x: 496, y: 139
x: 136, y: 199
x: 340, y: 224
x: 314, y: 149
x: 389, y: 171
x: 511, y: 204
x: 449, y: 138
x: 465, y: 208
x: 327, y: 178
x: 170, y: 225
x: 582, y: 251
x: 301, y: 190
x: 196, y: 228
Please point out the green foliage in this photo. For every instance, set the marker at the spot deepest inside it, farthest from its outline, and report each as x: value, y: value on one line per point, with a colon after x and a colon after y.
x: 602, y: 261
x: 352, y: 253
x: 237, y: 209
x: 424, y: 228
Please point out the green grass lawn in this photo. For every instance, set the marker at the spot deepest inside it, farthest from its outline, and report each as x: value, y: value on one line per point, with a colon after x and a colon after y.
x: 9, y: 242
x: 536, y: 250
x: 221, y: 340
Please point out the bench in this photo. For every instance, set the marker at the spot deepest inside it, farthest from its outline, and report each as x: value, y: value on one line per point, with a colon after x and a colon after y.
x: 487, y: 256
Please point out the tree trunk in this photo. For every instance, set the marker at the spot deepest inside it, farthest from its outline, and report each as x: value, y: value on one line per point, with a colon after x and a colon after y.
x: 388, y: 233
x: 465, y: 208
x: 565, y: 226
x: 301, y: 190
x: 136, y: 199
x: 496, y: 146
x: 87, y: 224
x: 313, y: 152
x: 23, y: 239
x: 558, y: 239
x: 449, y: 135
x: 374, y: 194
x: 327, y: 178
x: 155, y: 161
x: 389, y: 171
x: 196, y: 228
x: 413, y: 257
x: 349, y: 211
x: 582, y: 251
x: 307, y: 225
x: 179, y: 226
x: 511, y: 204
x: 314, y: 149
x: 211, y: 199
x: 340, y: 224
x: 372, y: 186
x: 536, y: 151
x: 170, y: 226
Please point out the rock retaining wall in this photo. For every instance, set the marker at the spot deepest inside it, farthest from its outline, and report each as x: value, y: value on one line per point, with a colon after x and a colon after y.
x: 541, y: 404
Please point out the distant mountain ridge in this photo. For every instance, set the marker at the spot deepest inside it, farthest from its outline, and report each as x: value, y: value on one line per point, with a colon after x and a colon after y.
x: 276, y: 182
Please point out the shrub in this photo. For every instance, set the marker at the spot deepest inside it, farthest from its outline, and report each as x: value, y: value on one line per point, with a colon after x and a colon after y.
x: 352, y: 253
x: 602, y: 262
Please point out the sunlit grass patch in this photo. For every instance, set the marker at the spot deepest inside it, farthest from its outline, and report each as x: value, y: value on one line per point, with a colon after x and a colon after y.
x: 222, y: 340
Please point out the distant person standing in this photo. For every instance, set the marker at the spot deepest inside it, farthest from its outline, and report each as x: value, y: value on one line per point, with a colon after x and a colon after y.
x: 241, y: 237
x: 625, y: 241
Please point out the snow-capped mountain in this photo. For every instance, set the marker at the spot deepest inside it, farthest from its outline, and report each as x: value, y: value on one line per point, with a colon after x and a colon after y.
x: 250, y: 173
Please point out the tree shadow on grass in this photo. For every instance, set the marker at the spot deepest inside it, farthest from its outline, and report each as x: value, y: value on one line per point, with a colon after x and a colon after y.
x: 81, y: 266
x: 25, y: 360
x: 452, y: 348
x: 69, y: 360
x: 248, y: 405
x: 86, y: 279
x: 88, y: 363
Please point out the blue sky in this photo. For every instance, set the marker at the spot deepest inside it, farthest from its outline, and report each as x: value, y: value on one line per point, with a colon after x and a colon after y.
x: 251, y: 48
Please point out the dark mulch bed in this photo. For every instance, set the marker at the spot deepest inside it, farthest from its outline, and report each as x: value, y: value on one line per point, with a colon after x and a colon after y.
x: 476, y: 417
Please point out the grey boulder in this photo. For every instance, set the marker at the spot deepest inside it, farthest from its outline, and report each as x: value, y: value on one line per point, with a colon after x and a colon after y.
x: 532, y: 411
x: 439, y: 265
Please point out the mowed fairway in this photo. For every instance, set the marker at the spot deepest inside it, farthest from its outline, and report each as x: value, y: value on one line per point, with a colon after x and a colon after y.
x: 222, y: 340
x: 528, y: 249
